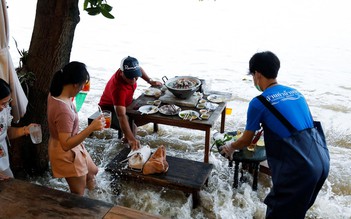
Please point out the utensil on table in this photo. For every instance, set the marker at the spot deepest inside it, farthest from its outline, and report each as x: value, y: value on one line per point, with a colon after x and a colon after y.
x: 191, y: 116
x: 173, y: 108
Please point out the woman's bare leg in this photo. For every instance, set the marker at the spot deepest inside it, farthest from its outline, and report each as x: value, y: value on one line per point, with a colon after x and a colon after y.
x: 77, y: 184
x: 92, y: 171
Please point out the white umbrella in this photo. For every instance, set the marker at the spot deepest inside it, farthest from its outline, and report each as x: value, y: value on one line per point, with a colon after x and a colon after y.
x: 7, y: 69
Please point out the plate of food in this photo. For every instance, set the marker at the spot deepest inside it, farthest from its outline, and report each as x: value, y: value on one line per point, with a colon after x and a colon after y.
x: 188, y: 115
x: 148, y: 109
x: 151, y: 91
x: 169, y: 110
x: 215, y: 98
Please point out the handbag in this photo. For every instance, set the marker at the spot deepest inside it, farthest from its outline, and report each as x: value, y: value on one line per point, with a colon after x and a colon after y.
x: 157, y: 162
x: 138, y: 158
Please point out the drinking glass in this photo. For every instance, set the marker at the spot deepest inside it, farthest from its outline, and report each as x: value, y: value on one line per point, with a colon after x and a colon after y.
x: 107, y: 115
x: 35, y: 134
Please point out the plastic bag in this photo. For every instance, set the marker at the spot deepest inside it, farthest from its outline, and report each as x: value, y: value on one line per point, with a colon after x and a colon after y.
x: 157, y: 162
x: 138, y: 158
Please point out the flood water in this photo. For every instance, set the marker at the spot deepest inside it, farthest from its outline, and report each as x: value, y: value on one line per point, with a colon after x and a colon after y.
x: 214, y: 40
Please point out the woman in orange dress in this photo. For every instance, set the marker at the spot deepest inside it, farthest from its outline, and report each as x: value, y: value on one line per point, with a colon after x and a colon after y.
x: 68, y: 157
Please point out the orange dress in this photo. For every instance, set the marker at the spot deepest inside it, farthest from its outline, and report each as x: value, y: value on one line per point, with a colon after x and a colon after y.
x: 63, y: 118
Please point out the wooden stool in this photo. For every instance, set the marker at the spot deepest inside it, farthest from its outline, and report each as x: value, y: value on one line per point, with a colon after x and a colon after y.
x: 186, y: 175
x: 250, y: 159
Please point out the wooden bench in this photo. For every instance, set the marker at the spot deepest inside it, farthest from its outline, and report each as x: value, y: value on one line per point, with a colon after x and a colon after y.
x: 186, y: 175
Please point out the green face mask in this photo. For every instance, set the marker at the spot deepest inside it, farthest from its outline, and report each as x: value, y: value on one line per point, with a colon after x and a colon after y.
x: 258, y: 87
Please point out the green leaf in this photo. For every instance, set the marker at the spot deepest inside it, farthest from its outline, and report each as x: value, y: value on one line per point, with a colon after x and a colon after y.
x: 85, y: 5
x: 93, y: 11
x: 106, y: 7
x: 95, y: 7
x: 107, y: 14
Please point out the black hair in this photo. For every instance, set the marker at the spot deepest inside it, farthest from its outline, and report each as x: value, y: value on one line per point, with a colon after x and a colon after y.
x: 267, y: 63
x: 72, y: 73
x: 5, y: 89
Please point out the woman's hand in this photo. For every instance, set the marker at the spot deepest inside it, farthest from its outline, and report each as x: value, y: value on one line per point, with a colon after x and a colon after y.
x: 98, y: 123
x: 3, y: 177
x: 26, y: 129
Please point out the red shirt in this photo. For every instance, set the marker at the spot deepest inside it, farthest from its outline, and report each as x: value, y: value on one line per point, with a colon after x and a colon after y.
x: 117, y: 92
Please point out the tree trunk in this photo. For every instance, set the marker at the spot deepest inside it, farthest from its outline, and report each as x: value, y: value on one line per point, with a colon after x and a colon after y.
x: 49, y: 51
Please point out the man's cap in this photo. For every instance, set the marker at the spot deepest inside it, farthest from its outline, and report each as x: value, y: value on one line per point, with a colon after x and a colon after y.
x: 130, y: 67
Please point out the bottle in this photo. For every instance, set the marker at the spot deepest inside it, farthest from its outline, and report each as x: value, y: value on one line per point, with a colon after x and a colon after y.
x: 252, y: 146
x: 257, y: 137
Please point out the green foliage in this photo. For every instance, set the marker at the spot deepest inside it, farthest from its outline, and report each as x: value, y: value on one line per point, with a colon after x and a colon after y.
x: 25, y: 76
x: 95, y: 7
x: 221, y: 142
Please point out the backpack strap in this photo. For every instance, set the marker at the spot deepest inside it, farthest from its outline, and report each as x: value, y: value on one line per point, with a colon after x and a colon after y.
x: 275, y: 112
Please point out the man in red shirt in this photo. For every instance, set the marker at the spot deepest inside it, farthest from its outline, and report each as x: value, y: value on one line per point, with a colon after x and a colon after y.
x: 118, y: 94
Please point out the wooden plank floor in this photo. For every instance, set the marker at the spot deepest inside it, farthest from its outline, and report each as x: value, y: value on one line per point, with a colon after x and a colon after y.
x: 21, y: 199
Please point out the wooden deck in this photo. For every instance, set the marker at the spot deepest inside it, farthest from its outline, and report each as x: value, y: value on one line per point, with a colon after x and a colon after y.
x: 20, y: 199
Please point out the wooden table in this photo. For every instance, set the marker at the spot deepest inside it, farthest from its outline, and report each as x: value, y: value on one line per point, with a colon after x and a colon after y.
x: 185, y: 175
x: 158, y: 118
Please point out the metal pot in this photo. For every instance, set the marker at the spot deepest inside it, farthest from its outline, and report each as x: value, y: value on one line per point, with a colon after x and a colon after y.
x: 175, y: 86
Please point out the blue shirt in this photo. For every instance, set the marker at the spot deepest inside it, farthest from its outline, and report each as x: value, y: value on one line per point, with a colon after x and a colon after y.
x: 289, y: 102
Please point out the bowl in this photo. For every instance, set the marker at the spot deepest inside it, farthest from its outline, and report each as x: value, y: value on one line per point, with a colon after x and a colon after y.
x: 204, y: 116
x: 157, y: 102
x: 203, y: 111
x: 182, y: 87
x: 200, y: 106
x: 202, y: 101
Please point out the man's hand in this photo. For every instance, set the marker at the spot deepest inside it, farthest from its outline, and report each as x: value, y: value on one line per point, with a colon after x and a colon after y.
x: 134, y: 144
x: 155, y: 83
x: 227, y: 150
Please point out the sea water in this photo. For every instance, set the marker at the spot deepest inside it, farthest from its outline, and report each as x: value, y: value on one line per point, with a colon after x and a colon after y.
x: 214, y: 40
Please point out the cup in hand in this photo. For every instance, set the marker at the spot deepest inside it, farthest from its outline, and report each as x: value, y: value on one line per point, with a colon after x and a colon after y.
x: 35, y: 134
x: 107, y: 115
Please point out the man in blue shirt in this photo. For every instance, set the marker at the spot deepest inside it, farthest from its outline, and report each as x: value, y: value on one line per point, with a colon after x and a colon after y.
x: 298, y: 159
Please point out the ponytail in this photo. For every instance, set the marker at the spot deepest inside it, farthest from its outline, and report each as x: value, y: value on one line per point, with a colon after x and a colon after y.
x: 56, y: 86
